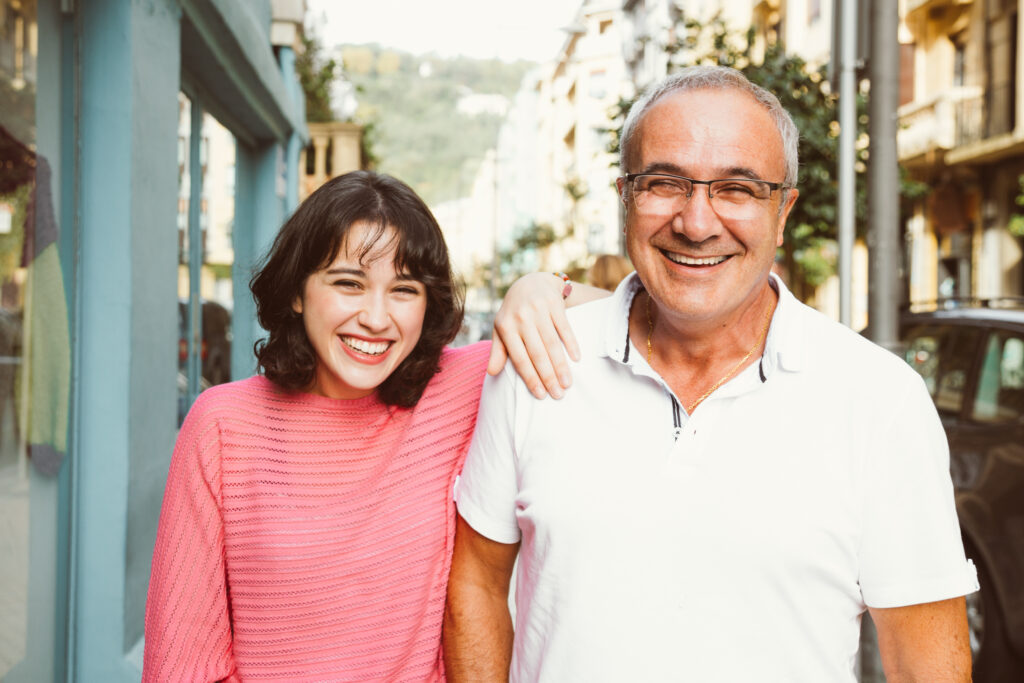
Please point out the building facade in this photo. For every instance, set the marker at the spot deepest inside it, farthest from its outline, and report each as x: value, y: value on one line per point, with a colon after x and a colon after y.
x: 575, y: 96
x: 150, y: 152
x: 962, y: 134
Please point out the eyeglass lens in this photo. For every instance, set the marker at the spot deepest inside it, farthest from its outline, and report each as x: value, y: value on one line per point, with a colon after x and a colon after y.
x: 660, y: 195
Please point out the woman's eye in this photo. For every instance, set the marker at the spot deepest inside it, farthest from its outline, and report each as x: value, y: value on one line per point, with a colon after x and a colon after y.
x: 405, y: 289
x: 346, y: 284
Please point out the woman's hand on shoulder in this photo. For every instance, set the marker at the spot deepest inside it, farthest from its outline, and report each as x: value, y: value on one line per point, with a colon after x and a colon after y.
x: 532, y: 331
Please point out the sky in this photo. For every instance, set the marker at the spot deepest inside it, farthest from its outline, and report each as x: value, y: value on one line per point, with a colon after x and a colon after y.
x: 525, y: 29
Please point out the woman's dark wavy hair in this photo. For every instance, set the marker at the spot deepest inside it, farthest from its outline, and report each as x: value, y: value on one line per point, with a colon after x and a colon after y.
x: 312, y: 239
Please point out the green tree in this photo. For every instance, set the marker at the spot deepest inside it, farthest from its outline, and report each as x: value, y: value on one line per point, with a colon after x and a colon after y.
x: 316, y: 74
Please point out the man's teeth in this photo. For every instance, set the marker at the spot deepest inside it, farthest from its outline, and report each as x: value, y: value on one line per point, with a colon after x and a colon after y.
x: 687, y: 261
x: 363, y: 346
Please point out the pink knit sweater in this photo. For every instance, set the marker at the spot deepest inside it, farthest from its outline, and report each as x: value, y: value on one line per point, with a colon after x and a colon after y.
x: 304, y: 538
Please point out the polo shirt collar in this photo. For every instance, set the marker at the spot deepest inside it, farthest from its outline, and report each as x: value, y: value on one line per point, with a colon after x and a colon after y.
x: 784, y: 347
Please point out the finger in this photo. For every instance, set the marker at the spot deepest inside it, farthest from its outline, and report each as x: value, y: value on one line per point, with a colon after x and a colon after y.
x: 552, y: 353
x: 516, y: 351
x: 540, y: 357
x: 565, y: 333
x: 496, y: 361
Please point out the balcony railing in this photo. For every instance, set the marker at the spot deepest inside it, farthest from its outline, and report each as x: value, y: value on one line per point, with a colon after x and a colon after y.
x: 951, y: 118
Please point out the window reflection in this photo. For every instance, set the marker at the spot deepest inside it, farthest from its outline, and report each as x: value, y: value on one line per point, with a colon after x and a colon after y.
x: 18, y: 165
x: 205, y: 292
x: 1000, y: 395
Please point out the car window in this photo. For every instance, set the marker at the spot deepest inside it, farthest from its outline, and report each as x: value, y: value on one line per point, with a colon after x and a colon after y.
x: 943, y: 356
x: 1000, y: 394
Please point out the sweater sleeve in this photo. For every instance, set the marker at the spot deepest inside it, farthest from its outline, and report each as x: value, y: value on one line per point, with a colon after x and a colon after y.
x: 188, y: 621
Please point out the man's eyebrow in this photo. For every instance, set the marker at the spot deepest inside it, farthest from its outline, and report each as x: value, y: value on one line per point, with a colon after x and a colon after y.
x: 662, y: 167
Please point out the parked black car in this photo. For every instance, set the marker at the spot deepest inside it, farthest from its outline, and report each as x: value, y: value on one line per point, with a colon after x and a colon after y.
x: 972, y: 360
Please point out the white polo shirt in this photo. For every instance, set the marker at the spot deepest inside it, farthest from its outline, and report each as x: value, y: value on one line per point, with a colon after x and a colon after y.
x: 741, y: 543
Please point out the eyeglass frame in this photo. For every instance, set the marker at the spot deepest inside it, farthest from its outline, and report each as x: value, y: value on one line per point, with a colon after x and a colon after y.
x: 772, y: 187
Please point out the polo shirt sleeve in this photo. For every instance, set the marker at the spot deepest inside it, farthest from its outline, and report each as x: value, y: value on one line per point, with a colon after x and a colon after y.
x: 911, y: 551
x: 486, y: 491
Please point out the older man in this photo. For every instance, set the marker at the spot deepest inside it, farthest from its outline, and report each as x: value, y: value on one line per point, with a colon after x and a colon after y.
x: 733, y: 479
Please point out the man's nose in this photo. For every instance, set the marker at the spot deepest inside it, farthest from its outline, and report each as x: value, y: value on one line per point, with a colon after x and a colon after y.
x: 696, y: 218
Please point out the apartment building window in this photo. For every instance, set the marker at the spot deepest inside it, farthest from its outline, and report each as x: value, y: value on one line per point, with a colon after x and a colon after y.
x: 959, y: 59
x: 598, y: 84
x: 1001, y: 69
x: 908, y: 52
x: 813, y: 11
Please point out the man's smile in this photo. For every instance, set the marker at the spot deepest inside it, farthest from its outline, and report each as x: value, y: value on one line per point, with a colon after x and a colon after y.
x: 694, y: 261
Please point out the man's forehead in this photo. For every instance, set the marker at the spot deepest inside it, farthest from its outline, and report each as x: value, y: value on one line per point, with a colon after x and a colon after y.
x: 723, y: 109
x: 730, y: 122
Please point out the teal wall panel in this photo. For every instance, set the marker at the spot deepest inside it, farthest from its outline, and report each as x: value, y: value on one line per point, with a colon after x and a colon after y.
x: 128, y: 307
x: 155, y: 58
x: 105, y: 347
x: 259, y: 212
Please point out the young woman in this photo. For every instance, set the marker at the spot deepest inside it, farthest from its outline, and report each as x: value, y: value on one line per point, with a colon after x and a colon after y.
x: 307, y: 524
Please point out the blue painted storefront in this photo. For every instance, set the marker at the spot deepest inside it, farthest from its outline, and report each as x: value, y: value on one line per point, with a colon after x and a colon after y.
x: 109, y: 77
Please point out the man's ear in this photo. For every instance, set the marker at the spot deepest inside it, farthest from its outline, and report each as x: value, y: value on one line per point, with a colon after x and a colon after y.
x: 620, y: 184
x: 784, y: 209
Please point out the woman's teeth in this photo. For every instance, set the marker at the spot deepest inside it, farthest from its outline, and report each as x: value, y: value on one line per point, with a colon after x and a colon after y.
x: 367, y: 347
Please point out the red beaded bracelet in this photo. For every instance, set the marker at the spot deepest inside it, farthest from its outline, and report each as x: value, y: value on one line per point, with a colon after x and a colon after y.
x: 567, y: 290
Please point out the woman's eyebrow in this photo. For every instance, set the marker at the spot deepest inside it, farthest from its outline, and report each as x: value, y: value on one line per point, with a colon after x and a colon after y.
x: 345, y: 271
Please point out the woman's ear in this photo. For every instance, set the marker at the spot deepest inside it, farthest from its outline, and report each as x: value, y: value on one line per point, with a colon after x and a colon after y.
x: 297, y: 305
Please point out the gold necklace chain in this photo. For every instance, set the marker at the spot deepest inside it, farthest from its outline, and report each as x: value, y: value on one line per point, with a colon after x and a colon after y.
x: 760, y: 340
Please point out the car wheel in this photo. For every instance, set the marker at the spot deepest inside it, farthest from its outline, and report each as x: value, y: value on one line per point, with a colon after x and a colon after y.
x: 993, y: 657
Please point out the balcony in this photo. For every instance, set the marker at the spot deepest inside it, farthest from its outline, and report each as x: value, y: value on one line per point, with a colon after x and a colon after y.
x: 950, y: 119
x: 914, y: 6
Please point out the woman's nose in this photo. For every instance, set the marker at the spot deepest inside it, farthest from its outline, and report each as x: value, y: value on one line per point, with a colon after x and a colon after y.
x: 374, y: 314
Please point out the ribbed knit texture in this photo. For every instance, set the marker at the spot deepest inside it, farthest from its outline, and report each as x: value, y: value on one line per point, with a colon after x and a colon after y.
x: 304, y: 538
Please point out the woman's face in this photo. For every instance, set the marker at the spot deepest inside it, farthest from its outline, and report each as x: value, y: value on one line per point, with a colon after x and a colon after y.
x: 363, y: 318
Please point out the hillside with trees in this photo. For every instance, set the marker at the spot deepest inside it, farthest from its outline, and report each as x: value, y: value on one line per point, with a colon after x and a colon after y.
x: 431, y: 119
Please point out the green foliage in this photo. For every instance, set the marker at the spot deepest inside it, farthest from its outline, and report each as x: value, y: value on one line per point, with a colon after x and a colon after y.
x: 316, y: 74
x: 419, y: 134
x: 1016, y: 225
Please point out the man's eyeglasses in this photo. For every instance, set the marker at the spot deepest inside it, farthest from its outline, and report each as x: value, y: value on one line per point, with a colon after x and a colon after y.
x: 664, y: 195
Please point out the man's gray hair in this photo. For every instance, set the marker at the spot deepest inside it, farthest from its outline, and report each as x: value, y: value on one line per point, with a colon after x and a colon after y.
x: 705, y: 77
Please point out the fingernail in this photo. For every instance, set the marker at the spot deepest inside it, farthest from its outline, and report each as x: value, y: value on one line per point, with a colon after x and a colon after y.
x: 565, y: 380
x: 557, y: 392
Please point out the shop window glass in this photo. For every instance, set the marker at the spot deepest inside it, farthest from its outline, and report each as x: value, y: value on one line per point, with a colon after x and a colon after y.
x: 34, y: 349
x: 206, y: 212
